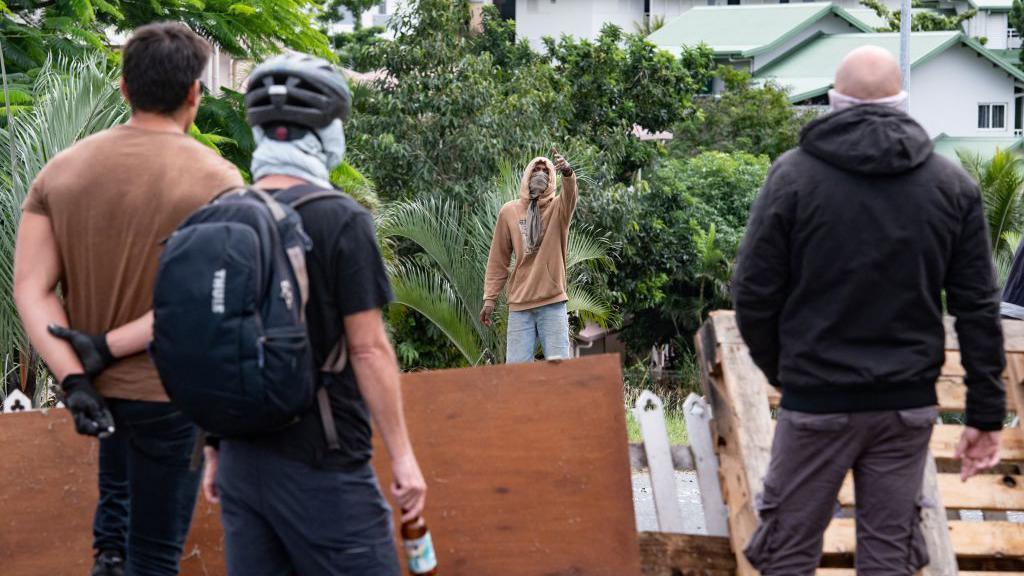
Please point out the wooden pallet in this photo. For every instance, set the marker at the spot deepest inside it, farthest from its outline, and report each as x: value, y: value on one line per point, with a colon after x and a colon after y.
x: 742, y: 403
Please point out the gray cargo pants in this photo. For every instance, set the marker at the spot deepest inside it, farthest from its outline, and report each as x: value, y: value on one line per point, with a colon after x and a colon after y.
x: 811, y: 456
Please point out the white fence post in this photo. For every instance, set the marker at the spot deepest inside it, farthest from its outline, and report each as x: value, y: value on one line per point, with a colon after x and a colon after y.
x: 650, y: 413
x: 698, y: 427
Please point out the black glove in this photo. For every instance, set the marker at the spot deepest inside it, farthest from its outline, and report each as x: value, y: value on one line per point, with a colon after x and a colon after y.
x: 92, y: 351
x: 92, y: 418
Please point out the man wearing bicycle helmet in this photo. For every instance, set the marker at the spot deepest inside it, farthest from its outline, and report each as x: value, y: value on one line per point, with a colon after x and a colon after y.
x: 305, y: 499
x: 290, y: 503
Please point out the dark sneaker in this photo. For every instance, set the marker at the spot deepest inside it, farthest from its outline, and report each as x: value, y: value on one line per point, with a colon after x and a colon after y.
x: 108, y: 563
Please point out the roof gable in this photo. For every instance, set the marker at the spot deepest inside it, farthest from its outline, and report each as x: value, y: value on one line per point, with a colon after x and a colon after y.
x: 808, y: 70
x: 745, y: 30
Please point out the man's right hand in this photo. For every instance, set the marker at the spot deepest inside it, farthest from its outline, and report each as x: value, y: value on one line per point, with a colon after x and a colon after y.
x: 485, y: 315
x: 978, y: 451
x: 92, y: 351
x: 87, y: 407
x: 409, y: 488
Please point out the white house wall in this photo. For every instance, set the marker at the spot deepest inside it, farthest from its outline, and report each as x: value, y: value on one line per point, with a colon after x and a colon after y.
x: 946, y: 90
x: 580, y: 18
x: 830, y: 25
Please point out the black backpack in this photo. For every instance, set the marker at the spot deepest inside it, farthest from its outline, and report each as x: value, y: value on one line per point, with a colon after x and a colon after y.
x: 229, y: 331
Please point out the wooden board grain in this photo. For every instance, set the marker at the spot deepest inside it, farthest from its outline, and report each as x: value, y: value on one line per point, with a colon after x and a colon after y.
x: 527, y: 469
x: 969, y: 539
x: 664, y: 554
x: 990, y: 492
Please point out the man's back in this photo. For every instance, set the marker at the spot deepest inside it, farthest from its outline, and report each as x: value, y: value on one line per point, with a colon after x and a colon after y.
x: 113, y: 198
x: 856, y: 235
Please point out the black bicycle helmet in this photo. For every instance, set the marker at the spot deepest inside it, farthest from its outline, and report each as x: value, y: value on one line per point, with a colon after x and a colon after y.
x: 297, y: 89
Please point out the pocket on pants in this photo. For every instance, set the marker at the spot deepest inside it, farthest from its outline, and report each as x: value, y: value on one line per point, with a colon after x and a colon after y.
x: 919, y: 418
x: 764, y: 544
x: 815, y: 422
x: 918, y: 546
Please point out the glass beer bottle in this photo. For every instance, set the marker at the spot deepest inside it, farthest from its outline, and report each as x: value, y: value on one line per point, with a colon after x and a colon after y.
x: 419, y: 548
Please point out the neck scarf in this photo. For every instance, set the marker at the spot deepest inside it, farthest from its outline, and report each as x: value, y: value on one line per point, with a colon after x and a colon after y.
x: 310, y: 158
x: 534, y: 228
x: 840, y: 101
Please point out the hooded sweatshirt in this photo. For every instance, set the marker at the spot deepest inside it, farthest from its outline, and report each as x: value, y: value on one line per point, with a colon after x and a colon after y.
x: 839, y: 281
x: 538, y: 277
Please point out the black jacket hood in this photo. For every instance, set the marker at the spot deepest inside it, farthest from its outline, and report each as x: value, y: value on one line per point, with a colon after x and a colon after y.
x: 868, y: 139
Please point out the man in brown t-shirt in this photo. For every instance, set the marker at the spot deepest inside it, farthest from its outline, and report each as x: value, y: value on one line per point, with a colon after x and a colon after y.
x: 93, y: 224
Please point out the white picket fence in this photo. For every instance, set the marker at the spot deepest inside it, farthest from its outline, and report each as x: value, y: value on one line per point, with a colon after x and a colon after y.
x: 662, y: 460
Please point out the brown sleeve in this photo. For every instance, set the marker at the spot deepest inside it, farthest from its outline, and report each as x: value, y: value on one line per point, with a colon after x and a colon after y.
x: 569, y: 196
x: 227, y: 178
x: 498, y: 260
x: 36, y: 201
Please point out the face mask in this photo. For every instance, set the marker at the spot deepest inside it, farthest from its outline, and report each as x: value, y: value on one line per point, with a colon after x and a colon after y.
x: 840, y: 101
x: 538, y: 183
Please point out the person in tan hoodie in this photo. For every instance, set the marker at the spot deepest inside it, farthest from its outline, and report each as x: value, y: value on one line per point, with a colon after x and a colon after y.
x: 535, y: 228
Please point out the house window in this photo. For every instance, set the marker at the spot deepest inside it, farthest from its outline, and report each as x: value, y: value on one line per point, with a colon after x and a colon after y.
x: 712, y: 2
x: 991, y: 116
x: 733, y: 2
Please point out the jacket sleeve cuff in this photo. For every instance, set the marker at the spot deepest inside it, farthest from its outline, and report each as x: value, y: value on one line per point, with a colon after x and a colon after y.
x: 984, y: 424
x: 490, y: 301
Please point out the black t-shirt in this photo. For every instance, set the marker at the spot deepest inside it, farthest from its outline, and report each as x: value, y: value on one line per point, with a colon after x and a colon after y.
x: 346, y: 276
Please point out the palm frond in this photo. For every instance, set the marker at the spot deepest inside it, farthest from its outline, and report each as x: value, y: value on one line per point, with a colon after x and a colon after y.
x: 432, y: 296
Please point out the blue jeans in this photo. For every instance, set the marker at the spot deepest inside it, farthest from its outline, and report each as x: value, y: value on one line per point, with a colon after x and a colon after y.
x: 147, y: 490
x: 548, y: 325
x: 284, y: 517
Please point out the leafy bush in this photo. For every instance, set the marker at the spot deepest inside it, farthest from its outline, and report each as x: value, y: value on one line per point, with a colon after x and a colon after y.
x: 679, y: 232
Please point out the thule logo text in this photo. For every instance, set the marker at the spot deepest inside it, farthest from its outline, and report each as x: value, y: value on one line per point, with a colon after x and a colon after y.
x: 220, y: 282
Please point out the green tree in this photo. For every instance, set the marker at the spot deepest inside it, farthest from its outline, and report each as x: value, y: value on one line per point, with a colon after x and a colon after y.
x: 334, y: 11
x: 1001, y: 179
x: 75, y: 99
x: 1016, y: 21
x: 744, y: 118
x: 31, y: 29
x: 621, y: 81
x: 920, y: 21
x: 679, y: 230
x: 444, y: 280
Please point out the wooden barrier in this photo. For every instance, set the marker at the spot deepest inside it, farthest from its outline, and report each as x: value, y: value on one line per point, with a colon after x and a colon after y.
x: 741, y: 399
x: 527, y: 468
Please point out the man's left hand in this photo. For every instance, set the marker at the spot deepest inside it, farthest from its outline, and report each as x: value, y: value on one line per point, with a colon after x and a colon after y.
x: 92, y: 351
x: 562, y: 165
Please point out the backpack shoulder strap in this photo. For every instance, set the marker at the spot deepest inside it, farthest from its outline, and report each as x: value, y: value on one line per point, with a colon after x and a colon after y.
x: 315, y: 196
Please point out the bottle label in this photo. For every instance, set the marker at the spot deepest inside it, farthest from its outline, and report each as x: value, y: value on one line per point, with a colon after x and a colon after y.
x: 420, y: 553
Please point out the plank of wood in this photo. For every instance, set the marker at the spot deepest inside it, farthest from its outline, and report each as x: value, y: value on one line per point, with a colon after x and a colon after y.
x: 664, y: 554
x: 1015, y: 382
x: 698, y: 426
x: 521, y: 480
x: 969, y: 539
x: 650, y: 414
x: 989, y: 492
x: 682, y: 458
x: 1013, y: 335
x: 735, y: 387
x: 935, y: 526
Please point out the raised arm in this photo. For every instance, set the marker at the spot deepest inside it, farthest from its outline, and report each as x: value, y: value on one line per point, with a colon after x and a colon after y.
x: 570, y: 193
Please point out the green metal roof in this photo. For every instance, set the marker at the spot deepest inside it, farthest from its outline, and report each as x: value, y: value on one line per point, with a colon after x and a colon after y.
x: 868, y: 17
x: 1011, y: 57
x: 808, y: 70
x: 871, y: 19
x: 745, y: 30
x: 992, y: 5
x: 986, y: 147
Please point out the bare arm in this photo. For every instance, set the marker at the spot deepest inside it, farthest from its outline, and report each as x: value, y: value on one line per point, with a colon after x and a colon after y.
x: 37, y: 271
x: 377, y: 374
x: 131, y: 338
